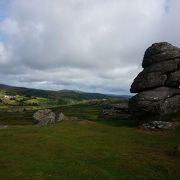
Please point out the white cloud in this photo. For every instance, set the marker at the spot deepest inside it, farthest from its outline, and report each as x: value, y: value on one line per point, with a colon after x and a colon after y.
x: 94, y: 45
x: 4, y: 57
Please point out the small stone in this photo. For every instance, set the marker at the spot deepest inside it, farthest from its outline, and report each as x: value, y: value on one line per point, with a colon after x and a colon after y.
x: 61, y: 117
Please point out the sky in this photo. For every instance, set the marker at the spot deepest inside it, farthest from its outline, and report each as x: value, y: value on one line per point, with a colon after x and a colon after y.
x: 87, y: 45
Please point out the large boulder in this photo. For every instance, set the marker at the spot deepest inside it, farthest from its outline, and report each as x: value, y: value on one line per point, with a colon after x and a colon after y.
x: 155, y: 102
x: 160, y: 52
x: 44, y: 117
x: 145, y: 81
x: 158, y: 85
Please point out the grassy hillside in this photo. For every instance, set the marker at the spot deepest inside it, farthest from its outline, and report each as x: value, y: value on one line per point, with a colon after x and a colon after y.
x: 78, y: 95
x: 34, y: 98
x: 92, y: 148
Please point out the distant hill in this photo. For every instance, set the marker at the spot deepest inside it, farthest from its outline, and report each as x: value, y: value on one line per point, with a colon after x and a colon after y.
x: 38, y: 96
x: 28, y: 92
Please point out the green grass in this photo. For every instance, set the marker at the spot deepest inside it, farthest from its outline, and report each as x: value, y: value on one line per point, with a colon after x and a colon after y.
x: 86, y: 150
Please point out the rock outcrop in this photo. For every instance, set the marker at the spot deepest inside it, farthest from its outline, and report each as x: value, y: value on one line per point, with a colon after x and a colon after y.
x: 158, y: 85
x: 115, y: 111
x: 47, y: 116
x: 44, y: 117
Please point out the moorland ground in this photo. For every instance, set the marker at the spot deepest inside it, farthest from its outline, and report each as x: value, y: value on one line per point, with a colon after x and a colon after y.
x: 91, y: 148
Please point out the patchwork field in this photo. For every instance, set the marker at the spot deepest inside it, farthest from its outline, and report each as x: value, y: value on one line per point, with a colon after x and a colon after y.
x: 91, y: 148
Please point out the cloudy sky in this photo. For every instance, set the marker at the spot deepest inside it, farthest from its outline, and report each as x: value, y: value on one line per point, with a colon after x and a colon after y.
x: 89, y: 45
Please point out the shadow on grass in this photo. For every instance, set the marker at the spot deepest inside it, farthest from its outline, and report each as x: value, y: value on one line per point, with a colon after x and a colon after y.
x: 171, y: 117
x: 16, y: 118
x: 131, y: 122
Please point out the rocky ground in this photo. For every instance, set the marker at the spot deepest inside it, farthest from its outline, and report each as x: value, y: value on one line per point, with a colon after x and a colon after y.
x: 115, y: 111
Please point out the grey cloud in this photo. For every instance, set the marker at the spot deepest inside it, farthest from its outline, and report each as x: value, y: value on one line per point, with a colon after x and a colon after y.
x: 94, y: 45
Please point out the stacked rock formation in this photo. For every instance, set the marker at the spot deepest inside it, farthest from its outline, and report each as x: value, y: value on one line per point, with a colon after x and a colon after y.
x: 158, y: 85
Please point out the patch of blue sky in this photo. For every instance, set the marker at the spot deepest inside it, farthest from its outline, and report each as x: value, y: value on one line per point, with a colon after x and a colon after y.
x: 3, y: 38
x: 2, y: 17
x: 4, y: 9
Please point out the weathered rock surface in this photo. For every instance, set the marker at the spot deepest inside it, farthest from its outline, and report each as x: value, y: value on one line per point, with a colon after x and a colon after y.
x: 174, y: 79
x: 114, y: 111
x: 159, y: 52
x: 148, y: 81
x: 157, y: 125
x: 47, y: 116
x: 163, y: 67
x: 158, y: 85
x: 44, y: 117
x: 158, y: 101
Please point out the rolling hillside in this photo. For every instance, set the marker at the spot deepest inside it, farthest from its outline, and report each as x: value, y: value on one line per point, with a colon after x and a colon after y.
x: 28, y: 92
x: 20, y: 96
